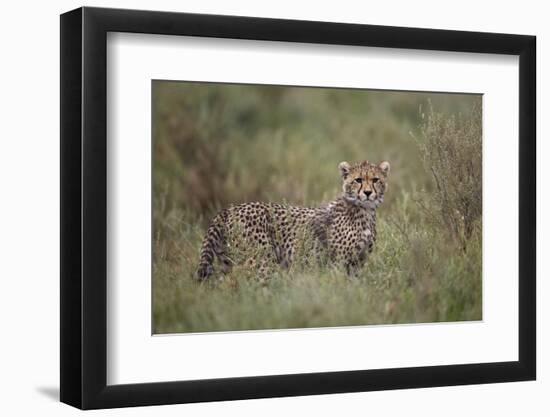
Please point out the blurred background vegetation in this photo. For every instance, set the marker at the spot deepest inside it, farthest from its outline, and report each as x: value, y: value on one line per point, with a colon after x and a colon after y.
x: 220, y: 144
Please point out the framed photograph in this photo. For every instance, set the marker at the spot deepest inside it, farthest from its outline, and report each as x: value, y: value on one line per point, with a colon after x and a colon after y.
x: 258, y: 208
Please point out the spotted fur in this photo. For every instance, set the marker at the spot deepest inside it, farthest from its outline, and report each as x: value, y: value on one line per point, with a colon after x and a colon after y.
x: 344, y: 229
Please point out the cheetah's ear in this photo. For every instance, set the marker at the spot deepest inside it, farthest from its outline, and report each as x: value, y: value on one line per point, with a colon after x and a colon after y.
x: 344, y: 169
x: 385, y: 167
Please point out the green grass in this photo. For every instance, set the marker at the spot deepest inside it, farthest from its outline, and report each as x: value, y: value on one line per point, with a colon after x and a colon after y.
x: 220, y: 144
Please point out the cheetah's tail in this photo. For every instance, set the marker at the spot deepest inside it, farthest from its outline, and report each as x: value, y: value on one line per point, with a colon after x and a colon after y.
x: 211, y: 246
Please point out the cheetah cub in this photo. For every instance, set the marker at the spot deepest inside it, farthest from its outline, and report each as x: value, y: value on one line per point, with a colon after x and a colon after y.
x: 345, y: 229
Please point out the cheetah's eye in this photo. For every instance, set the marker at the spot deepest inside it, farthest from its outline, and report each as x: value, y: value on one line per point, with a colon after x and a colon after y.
x: 359, y: 180
x: 375, y: 180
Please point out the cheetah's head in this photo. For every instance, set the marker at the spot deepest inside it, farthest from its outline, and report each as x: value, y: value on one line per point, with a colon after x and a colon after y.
x: 364, y: 183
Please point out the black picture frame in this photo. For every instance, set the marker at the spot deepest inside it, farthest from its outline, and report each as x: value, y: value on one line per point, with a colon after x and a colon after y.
x: 84, y: 207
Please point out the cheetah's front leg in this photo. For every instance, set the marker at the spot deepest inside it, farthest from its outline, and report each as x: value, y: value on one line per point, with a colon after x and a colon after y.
x: 362, y: 250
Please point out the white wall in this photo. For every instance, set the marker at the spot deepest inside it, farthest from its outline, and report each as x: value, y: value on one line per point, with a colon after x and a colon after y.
x: 29, y: 238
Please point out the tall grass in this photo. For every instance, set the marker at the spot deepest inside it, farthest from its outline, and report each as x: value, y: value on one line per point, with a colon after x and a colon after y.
x: 220, y: 144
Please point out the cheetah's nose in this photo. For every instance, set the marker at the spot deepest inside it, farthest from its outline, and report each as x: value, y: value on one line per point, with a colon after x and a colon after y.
x: 367, y: 193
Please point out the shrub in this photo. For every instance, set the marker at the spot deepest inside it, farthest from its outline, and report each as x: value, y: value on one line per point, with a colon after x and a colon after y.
x: 451, y: 150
